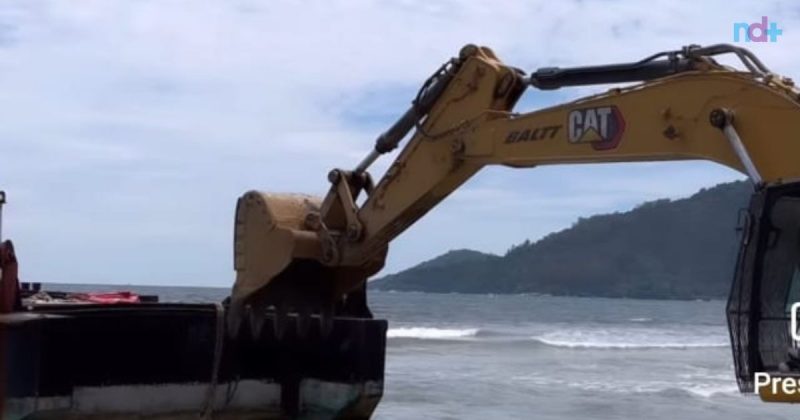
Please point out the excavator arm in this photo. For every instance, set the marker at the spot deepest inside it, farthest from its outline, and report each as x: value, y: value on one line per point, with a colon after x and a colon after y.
x: 310, y: 256
x: 669, y: 118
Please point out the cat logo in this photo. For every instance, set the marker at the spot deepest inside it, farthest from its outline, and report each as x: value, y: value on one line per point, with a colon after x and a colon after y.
x: 601, y: 126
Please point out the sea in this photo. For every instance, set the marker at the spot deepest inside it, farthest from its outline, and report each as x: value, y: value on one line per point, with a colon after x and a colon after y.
x: 457, y: 356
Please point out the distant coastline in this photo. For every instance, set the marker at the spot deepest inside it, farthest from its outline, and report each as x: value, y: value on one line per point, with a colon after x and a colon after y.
x: 544, y: 295
x: 665, y: 249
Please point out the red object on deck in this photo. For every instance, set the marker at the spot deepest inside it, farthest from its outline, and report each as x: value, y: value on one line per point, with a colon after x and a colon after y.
x: 107, y: 298
x: 9, y: 284
x: 9, y: 289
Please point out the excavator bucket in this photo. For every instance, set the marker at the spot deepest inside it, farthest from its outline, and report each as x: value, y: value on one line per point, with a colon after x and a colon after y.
x: 278, y: 264
x: 269, y: 232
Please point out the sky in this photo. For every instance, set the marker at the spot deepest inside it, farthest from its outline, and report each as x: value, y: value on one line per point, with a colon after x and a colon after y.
x: 128, y: 128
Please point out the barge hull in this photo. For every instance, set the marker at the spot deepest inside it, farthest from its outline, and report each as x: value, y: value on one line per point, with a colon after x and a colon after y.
x: 176, y: 361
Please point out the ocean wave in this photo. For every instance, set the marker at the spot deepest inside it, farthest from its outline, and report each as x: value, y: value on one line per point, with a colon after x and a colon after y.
x: 708, y: 391
x: 641, y: 320
x: 628, y: 338
x: 627, y: 386
x: 586, y: 336
x: 430, y: 333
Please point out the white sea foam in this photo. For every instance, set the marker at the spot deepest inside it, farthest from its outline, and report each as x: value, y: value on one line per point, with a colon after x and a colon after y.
x: 708, y: 391
x: 641, y: 319
x: 632, y: 385
x: 429, y: 333
x: 628, y: 338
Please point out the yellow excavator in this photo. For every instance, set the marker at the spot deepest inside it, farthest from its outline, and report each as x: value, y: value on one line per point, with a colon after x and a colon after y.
x: 309, y: 258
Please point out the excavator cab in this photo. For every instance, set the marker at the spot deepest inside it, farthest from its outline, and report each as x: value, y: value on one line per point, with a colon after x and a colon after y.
x: 765, y: 289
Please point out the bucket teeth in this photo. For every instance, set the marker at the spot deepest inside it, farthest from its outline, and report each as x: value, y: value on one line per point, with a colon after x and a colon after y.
x: 233, y: 318
x: 257, y: 319
x: 279, y: 321
x: 326, y: 321
x: 303, y: 321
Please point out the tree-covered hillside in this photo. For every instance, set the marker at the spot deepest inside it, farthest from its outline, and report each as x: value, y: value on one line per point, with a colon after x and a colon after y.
x: 682, y: 249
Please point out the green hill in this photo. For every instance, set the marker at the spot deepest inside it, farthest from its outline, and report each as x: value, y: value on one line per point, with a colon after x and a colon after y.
x: 664, y: 249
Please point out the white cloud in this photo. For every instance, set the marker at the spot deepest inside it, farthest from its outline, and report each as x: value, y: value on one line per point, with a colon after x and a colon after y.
x: 129, y: 128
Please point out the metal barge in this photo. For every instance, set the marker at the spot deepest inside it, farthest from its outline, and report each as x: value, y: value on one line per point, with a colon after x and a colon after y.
x: 173, y: 361
x: 120, y: 360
